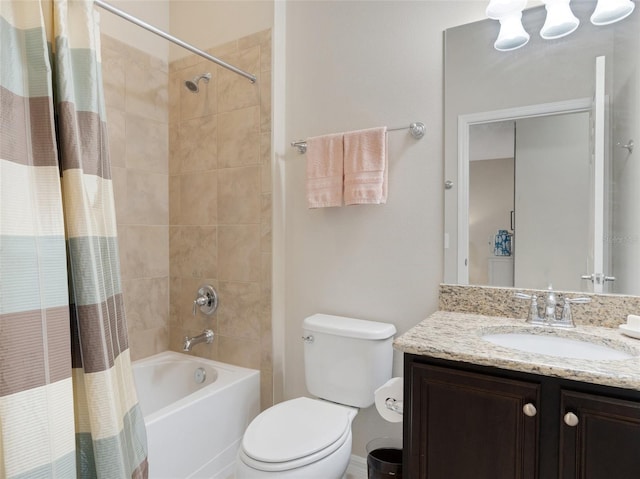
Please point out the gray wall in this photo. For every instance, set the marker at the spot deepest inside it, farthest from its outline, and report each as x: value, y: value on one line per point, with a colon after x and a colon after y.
x: 354, y: 65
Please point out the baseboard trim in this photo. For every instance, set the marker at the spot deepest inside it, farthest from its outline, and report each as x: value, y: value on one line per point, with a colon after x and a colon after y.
x: 357, y: 468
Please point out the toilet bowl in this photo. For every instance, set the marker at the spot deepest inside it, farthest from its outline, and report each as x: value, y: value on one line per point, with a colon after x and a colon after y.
x: 301, y: 438
x: 345, y: 361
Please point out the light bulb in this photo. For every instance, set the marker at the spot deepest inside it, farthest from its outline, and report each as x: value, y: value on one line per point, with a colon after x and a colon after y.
x: 512, y: 34
x: 611, y: 11
x: 560, y: 20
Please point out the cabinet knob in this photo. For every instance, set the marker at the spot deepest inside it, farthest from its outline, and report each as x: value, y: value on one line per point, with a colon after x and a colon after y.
x: 570, y: 419
x: 529, y: 410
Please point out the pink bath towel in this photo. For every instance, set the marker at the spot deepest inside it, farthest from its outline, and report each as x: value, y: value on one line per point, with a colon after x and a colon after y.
x: 325, y: 156
x: 365, y: 166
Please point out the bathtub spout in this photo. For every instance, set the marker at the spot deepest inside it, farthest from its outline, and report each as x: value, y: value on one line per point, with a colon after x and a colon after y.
x: 205, y: 337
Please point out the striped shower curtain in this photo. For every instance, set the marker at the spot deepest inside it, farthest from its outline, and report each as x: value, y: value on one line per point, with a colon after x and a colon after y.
x: 68, y: 406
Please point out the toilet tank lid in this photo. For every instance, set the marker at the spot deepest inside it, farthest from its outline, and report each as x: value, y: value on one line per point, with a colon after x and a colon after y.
x: 348, y: 327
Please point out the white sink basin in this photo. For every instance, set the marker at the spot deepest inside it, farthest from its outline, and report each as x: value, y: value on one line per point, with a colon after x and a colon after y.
x: 556, y: 346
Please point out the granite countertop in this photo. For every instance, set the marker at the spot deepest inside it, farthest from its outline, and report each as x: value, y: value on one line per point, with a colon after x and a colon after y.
x: 458, y: 337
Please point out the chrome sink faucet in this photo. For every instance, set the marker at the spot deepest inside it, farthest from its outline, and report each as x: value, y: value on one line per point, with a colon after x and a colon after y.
x: 205, y: 337
x: 550, y: 309
x: 550, y: 303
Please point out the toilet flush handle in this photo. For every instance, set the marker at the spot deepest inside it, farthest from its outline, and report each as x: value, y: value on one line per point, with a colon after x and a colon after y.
x: 307, y: 339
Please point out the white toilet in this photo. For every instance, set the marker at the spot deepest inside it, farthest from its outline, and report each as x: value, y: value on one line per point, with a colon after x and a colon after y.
x: 345, y: 360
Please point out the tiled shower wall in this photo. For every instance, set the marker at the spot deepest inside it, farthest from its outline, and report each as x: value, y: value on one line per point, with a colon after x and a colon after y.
x: 192, y: 182
x: 137, y: 101
x: 220, y: 204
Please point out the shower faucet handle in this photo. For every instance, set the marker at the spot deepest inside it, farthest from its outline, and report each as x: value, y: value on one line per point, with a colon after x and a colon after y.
x: 207, y: 300
x: 199, y: 301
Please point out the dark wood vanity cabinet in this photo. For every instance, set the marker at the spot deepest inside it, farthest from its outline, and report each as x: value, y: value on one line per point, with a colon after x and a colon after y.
x: 599, y: 437
x: 463, y: 421
x: 468, y: 425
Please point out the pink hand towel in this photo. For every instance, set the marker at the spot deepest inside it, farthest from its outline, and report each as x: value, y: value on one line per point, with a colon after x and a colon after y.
x: 365, y: 167
x: 325, y: 158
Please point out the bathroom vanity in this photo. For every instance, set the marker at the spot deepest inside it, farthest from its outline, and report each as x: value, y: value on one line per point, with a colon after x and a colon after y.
x: 474, y: 409
x: 478, y: 409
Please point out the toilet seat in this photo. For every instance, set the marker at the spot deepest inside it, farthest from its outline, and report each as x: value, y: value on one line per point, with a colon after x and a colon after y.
x: 295, y: 433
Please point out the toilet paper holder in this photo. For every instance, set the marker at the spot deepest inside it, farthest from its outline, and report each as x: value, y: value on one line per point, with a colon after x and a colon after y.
x: 388, y: 399
x: 394, y: 405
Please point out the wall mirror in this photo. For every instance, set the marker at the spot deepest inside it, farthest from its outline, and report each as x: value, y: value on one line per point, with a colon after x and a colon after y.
x: 545, y: 185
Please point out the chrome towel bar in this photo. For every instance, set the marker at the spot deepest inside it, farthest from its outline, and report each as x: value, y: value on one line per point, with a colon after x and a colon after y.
x: 417, y: 130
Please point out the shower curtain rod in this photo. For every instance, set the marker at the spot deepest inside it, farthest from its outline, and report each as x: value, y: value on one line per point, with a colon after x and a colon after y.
x: 171, y: 38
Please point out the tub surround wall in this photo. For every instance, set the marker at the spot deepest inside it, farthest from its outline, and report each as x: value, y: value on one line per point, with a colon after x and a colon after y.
x: 607, y: 310
x: 192, y: 183
x: 136, y: 97
x: 220, y: 204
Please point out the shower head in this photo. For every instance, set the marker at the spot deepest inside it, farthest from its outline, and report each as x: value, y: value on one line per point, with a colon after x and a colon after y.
x: 192, y: 85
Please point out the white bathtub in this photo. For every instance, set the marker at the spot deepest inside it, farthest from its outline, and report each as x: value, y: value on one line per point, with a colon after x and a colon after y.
x: 194, y: 429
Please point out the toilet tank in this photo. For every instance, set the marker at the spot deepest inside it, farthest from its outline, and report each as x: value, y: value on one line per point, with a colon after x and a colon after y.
x: 347, y: 359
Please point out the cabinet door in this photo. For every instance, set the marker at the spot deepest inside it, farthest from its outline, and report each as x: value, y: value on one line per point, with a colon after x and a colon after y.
x: 599, y: 438
x: 467, y: 425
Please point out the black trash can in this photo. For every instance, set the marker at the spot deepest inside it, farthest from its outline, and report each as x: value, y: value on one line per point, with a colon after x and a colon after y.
x: 384, y: 459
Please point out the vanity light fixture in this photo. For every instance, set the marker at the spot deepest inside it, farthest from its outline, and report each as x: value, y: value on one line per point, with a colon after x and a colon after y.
x: 560, y: 20
x: 509, y: 13
x: 611, y: 11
